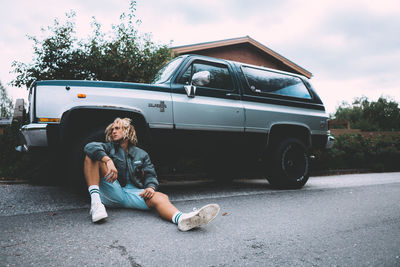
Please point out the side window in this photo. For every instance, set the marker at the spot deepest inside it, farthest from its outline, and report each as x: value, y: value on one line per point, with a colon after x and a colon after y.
x: 220, y: 77
x: 263, y: 81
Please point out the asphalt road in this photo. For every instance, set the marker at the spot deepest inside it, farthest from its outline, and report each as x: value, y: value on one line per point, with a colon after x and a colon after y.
x: 349, y: 220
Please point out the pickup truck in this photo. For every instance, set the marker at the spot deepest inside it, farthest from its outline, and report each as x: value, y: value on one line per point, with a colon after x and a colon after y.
x: 200, y: 113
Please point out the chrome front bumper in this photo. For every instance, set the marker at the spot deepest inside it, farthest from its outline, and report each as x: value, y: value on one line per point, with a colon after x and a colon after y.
x: 34, y: 135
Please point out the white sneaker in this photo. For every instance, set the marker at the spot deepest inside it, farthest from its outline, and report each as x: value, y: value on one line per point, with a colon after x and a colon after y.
x: 199, y: 217
x: 98, y: 212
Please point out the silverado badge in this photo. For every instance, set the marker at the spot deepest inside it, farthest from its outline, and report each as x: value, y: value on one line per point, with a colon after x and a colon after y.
x: 161, y: 106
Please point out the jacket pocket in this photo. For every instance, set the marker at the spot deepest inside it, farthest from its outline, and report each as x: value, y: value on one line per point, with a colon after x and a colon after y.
x: 138, y: 171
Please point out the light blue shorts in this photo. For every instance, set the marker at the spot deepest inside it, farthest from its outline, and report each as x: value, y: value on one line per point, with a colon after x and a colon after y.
x: 113, y: 195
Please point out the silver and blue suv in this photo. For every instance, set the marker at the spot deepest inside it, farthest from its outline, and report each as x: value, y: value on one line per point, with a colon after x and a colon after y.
x: 200, y: 114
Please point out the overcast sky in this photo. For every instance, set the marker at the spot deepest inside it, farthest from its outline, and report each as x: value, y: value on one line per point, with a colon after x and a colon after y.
x: 352, y: 47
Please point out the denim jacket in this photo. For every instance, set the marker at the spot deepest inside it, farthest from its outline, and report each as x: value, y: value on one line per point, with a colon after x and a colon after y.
x: 136, y: 161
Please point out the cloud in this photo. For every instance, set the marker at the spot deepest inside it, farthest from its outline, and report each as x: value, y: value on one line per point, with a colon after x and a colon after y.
x: 347, y: 41
x: 334, y: 91
x: 369, y: 31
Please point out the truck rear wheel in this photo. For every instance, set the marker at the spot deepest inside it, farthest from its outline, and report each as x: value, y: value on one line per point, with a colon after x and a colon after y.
x: 287, y: 165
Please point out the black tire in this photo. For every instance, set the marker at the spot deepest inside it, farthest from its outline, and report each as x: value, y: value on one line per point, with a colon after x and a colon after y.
x: 287, y: 165
x: 77, y: 156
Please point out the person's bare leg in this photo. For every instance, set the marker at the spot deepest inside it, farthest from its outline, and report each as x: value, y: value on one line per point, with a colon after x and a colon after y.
x: 92, y: 170
x: 163, y: 206
x: 185, y: 221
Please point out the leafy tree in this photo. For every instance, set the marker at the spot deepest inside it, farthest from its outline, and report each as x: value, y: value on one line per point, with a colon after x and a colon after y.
x: 125, y: 56
x: 6, y: 103
x: 380, y: 115
x: 122, y: 55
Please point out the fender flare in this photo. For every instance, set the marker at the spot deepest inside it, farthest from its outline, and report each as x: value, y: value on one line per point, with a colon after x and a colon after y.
x: 79, y: 120
x: 300, y: 128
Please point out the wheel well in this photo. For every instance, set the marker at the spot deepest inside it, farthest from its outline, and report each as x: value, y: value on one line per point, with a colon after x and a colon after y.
x: 79, y: 122
x: 283, y: 131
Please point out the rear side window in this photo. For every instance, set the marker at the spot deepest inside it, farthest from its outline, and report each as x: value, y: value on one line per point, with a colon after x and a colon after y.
x: 264, y: 81
x: 220, y: 77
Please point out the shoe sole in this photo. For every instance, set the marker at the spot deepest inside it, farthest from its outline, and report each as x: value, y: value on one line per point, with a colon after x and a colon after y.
x: 204, y: 215
x: 99, y: 217
x: 96, y: 219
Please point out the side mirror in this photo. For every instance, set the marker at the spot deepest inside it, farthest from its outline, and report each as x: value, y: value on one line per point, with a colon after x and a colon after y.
x: 201, y: 78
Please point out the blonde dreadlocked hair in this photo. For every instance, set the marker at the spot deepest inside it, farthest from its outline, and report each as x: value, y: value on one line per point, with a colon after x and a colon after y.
x: 129, y: 130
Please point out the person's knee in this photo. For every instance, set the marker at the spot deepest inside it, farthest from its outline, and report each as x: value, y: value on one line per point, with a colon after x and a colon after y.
x: 87, y: 160
x: 162, y: 196
x: 158, y: 198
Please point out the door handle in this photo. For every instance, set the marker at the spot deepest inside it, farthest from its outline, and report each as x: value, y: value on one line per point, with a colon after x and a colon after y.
x: 233, y: 96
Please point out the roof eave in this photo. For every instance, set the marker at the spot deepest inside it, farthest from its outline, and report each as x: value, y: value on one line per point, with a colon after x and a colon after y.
x: 202, y: 46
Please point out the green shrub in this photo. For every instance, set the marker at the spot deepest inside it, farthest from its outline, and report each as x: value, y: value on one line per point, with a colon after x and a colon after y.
x: 355, y: 151
x: 16, y: 165
x: 9, y: 158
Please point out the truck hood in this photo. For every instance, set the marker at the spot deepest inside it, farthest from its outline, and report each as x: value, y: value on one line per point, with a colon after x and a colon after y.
x: 108, y: 84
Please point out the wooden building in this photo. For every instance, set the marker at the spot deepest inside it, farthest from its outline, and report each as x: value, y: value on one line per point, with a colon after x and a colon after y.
x: 243, y: 49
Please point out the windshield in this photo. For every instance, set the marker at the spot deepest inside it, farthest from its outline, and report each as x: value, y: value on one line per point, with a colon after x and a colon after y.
x: 165, y: 72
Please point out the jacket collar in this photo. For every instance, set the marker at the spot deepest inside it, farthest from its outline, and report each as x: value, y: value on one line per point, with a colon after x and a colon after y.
x: 131, y: 149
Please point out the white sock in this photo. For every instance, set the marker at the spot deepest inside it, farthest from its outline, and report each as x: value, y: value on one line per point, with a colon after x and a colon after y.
x: 94, y: 194
x: 176, y: 217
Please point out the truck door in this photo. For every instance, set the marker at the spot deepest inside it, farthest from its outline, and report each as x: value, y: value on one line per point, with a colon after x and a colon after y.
x: 209, y: 120
x: 215, y: 104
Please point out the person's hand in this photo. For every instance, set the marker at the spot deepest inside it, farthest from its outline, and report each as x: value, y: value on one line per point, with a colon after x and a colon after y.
x: 147, y: 193
x: 112, y: 173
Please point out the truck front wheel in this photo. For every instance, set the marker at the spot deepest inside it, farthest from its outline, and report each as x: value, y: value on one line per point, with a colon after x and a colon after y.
x: 77, y: 155
x: 287, y: 164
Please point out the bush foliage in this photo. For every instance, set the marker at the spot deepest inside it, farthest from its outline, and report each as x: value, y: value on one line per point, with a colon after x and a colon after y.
x: 14, y: 164
x: 380, y: 115
x: 378, y: 152
x: 6, y: 104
